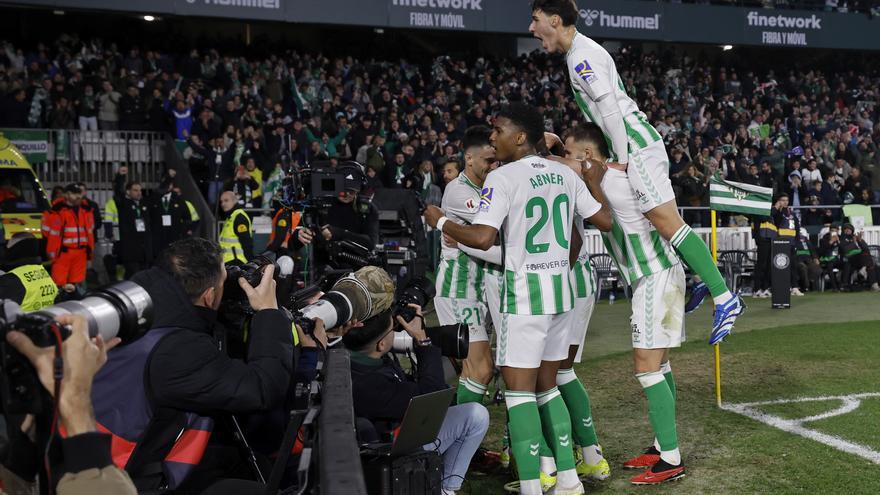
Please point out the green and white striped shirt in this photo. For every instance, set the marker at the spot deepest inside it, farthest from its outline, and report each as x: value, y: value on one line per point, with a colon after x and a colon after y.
x: 634, y: 243
x: 460, y: 276
x: 582, y: 272
x: 593, y: 77
x: 532, y: 202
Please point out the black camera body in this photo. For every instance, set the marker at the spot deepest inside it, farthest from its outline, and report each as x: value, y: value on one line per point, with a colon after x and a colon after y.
x: 418, y: 292
x: 20, y: 388
x: 124, y: 310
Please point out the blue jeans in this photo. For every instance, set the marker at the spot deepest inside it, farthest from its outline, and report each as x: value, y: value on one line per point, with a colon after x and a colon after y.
x: 215, y: 187
x: 460, y: 436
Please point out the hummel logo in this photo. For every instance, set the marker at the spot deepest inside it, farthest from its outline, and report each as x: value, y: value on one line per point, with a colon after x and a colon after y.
x: 563, y: 441
x: 533, y: 449
x: 588, y: 422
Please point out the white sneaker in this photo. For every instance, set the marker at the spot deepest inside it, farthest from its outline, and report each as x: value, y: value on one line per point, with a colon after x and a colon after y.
x: 758, y: 294
x: 796, y: 292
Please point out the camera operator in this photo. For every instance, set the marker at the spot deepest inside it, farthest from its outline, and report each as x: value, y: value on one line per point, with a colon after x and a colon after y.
x: 382, y: 390
x: 27, y: 282
x: 236, y: 236
x: 88, y: 463
x: 154, y: 392
x: 350, y: 217
x: 855, y: 255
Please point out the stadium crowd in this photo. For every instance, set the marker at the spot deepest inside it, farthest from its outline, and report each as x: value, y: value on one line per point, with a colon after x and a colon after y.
x: 810, y: 132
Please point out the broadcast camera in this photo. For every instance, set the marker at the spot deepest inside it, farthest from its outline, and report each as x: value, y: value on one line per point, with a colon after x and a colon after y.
x: 122, y: 310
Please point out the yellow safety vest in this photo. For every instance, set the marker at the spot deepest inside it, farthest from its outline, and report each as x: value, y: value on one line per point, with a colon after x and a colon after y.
x: 193, y: 214
x: 232, y: 249
x: 39, y: 288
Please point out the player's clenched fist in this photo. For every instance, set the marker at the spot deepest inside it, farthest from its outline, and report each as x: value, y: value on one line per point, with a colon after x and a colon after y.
x: 432, y: 215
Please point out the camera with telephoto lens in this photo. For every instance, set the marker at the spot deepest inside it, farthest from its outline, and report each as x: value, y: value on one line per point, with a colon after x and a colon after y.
x: 418, y: 292
x: 453, y: 340
x: 252, y: 272
x: 122, y: 310
x: 358, y: 296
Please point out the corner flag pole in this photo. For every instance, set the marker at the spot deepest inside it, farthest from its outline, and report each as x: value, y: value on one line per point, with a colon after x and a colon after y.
x: 716, y: 346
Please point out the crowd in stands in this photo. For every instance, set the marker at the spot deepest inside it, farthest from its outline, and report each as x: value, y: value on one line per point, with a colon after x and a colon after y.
x: 800, y: 131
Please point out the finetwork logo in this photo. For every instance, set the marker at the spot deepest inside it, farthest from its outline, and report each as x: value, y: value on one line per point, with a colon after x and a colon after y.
x: 256, y: 4
x: 591, y: 17
x: 783, y: 21
x: 441, y: 4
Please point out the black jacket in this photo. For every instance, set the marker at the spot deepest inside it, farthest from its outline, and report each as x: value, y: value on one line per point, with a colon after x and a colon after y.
x: 187, y: 371
x: 178, y: 220
x: 134, y: 246
x: 382, y: 391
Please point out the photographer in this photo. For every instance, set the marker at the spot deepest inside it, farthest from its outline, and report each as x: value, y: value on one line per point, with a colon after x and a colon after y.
x: 87, y: 456
x: 855, y: 255
x: 154, y: 392
x: 382, y: 390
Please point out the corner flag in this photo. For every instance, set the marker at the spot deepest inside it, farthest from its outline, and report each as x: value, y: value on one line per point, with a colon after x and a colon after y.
x: 739, y: 198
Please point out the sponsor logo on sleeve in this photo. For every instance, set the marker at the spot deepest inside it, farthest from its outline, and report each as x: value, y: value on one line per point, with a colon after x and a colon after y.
x: 486, y: 198
x: 585, y: 72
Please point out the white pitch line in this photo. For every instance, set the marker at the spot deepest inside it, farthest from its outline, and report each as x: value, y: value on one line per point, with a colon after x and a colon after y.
x: 795, y: 426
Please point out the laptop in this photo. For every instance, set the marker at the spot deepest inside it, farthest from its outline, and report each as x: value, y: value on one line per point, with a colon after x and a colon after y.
x: 422, y: 421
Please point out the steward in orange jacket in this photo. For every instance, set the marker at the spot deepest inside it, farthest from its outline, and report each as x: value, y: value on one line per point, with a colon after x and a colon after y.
x: 70, y: 241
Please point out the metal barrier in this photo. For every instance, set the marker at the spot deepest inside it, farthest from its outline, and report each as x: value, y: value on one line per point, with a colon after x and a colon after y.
x: 93, y: 157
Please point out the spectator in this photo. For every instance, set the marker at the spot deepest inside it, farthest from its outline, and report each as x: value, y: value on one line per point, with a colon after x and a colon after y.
x: 450, y: 172
x: 108, y: 107
x: 87, y: 109
x: 132, y: 116
x: 811, y: 174
x: 855, y: 184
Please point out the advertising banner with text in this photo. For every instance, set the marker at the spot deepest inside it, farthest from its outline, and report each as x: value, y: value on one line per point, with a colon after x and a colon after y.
x: 607, y: 19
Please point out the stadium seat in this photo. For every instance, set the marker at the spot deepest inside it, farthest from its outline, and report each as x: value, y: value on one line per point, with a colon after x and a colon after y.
x: 606, y: 274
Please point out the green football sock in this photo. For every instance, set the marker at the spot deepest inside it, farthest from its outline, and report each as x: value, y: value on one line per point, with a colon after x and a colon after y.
x: 557, y: 427
x: 695, y: 253
x: 577, y: 401
x: 525, y: 433
x: 469, y: 391
x: 661, y: 409
x: 666, y: 369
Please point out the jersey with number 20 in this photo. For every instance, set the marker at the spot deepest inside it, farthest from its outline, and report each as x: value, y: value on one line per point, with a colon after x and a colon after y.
x: 532, y: 202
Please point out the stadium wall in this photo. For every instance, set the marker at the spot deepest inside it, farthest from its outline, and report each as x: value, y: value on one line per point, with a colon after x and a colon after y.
x: 614, y: 19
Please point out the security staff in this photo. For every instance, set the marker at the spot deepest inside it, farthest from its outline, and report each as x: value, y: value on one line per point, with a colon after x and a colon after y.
x: 111, y: 232
x: 169, y: 217
x: 27, y: 282
x: 135, y: 241
x: 287, y: 234
x: 193, y: 214
x: 236, y: 236
x: 350, y: 218
x: 70, y: 241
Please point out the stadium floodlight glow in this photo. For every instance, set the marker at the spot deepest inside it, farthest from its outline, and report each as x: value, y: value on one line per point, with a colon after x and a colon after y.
x: 58, y: 12
x: 378, y: 30
x: 149, y: 18
x: 727, y: 48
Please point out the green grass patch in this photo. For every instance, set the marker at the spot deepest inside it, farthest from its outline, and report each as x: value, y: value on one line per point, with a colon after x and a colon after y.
x: 728, y: 453
x: 798, y: 410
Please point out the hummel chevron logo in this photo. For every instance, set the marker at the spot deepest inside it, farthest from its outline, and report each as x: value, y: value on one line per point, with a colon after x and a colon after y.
x: 533, y: 449
x: 564, y: 441
x: 588, y: 422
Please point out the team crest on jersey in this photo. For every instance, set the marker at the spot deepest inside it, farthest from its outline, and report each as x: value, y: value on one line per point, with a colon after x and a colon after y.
x: 585, y: 72
x: 486, y: 198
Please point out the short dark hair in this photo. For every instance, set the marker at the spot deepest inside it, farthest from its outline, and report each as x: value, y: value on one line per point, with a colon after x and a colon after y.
x: 566, y: 9
x: 131, y: 184
x: 589, y: 133
x: 476, y: 136
x: 363, y: 338
x: 527, y: 118
x: 195, y: 263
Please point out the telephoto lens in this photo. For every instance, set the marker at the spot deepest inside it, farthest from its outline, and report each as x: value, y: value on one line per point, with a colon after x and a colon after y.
x: 453, y: 340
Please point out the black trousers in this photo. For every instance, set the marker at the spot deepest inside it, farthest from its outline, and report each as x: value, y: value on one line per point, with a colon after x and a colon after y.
x: 762, y: 265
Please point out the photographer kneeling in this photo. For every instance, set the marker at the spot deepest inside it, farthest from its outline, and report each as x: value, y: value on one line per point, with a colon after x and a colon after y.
x: 158, y: 396
x: 382, y: 390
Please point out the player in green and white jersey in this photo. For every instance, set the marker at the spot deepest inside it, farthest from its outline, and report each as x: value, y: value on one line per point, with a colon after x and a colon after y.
x: 634, y: 144
x: 531, y: 202
x: 461, y: 295
x: 649, y: 264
